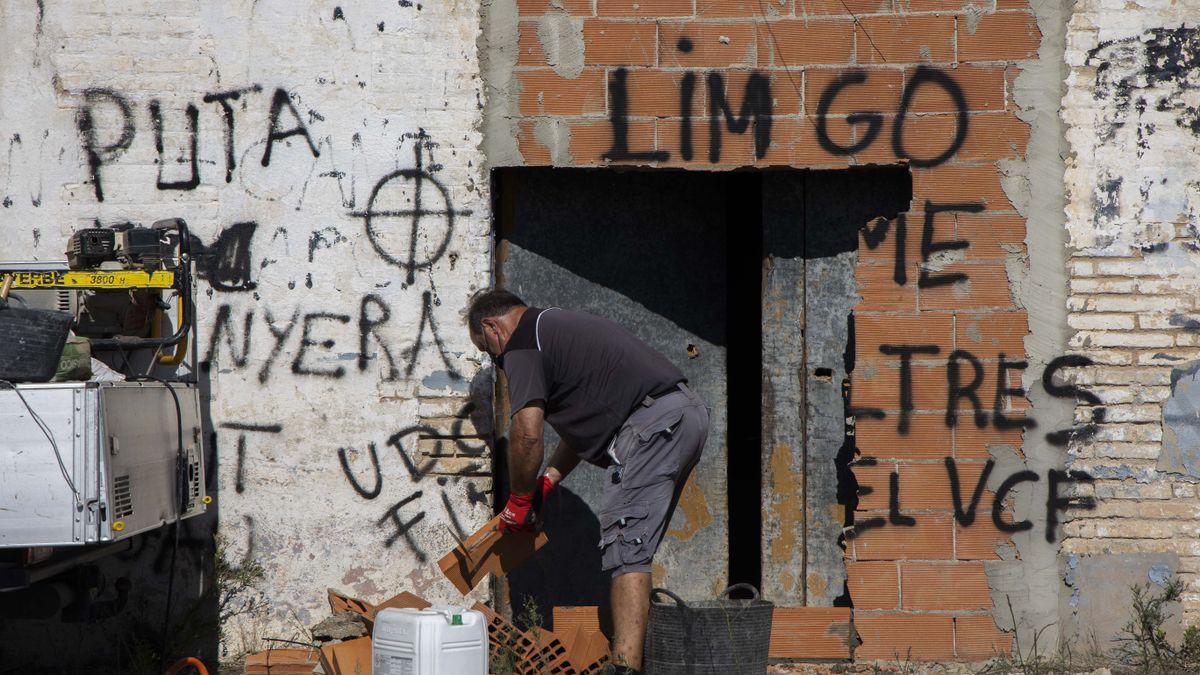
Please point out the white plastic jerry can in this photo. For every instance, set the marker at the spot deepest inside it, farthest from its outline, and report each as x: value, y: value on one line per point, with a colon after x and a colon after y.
x: 434, y: 641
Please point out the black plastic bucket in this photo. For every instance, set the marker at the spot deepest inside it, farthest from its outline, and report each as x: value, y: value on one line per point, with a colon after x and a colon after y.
x: 31, y: 343
x: 715, y: 637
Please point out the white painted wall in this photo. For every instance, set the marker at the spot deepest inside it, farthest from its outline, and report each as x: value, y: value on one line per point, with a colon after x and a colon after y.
x: 379, y: 86
x: 1133, y: 221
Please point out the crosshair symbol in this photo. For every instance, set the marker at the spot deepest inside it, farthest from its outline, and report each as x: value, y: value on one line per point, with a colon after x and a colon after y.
x: 415, y: 216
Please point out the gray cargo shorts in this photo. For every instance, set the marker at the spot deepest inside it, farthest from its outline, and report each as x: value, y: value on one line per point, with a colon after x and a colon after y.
x: 654, y: 452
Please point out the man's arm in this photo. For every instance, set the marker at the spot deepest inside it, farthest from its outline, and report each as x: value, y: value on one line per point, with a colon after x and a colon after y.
x: 562, y: 463
x: 526, y: 448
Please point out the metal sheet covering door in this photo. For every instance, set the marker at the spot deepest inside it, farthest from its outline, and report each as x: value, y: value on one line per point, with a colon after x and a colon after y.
x: 648, y: 250
x: 811, y: 223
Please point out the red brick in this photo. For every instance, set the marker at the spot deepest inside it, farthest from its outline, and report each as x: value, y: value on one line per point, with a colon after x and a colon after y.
x: 644, y: 8
x: 971, y: 442
x: 810, y: 633
x: 899, y: 637
x: 986, y: 336
x: 808, y: 8
x: 878, y: 386
x: 873, y: 330
x: 868, y: 7
x: 713, y: 45
x: 944, y: 586
x: 713, y: 9
x: 994, y: 136
x: 1012, y: 4
x: 976, y: 638
x: 1005, y: 36
x: 926, y: 486
x: 880, y: 92
x: 980, y: 540
x: 544, y: 92
x: 735, y: 149
x: 873, y: 485
x: 880, y: 292
x: 928, y: 437
x: 873, y: 585
x: 930, y: 539
x: 986, y: 286
x: 655, y: 93
x: 529, y: 50
x: 983, y: 88
x: 591, y: 140
x: 992, y: 235
x: 568, y: 619
x: 884, y: 252
x: 791, y: 43
x: 905, y: 39
x: 794, y: 143
x: 540, y: 7
x: 785, y: 91
x: 618, y: 43
x: 949, y: 184
x: 532, y: 150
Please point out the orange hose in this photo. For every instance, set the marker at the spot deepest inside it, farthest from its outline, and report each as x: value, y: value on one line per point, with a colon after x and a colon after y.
x: 184, y: 663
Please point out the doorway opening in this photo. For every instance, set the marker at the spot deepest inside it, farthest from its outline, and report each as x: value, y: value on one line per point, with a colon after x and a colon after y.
x: 745, y: 280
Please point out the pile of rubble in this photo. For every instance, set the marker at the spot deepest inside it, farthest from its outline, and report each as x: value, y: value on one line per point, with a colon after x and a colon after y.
x: 343, y: 642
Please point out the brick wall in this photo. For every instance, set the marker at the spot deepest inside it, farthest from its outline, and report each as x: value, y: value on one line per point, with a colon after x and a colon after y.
x: 826, y: 84
x: 1132, y: 223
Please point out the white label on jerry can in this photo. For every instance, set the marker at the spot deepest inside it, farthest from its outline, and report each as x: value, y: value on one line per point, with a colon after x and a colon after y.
x: 393, y: 664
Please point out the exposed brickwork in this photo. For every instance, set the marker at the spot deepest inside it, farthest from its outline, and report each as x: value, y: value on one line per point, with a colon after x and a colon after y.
x: 932, y: 88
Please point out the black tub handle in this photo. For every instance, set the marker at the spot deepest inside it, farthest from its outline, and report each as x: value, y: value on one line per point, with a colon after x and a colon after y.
x: 741, y: 587
x: 662, y: 591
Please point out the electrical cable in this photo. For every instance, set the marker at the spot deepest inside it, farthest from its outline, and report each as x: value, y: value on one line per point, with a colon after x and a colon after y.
x: 180, y: 485
x: 50, y: 437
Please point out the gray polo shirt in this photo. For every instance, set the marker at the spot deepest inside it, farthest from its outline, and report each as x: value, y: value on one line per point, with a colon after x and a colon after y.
x: 589, y: 372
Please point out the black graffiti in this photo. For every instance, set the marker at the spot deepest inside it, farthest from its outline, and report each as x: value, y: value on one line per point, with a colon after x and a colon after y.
x: 929, y: 247
x: 618, y: 100
x: 965, y: 516
x: 756, y: 103
x: 957, y: 389
x: 906, y: 352
x: 1086, y: 431
x: 227, y: 263
x: 307, y: 341
x: 757, y: 108
x: 321, y: 239
x: 363, y: 492
x: 243, y: 428
x: 403, y: 528
x: 415, y: 350
x: 419, y: 176
x: 222, y: 98
x: 274, y: 135
x: 236, y: 338
x: 372, y: 314
x: 193, y: 118
x: 99, y: 155
x: 874, y: 119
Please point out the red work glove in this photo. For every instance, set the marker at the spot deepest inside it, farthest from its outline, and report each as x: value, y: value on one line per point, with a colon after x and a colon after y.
x: 520, y: 514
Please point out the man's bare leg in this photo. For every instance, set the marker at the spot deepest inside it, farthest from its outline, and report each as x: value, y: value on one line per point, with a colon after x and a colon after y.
x: 631, y: 610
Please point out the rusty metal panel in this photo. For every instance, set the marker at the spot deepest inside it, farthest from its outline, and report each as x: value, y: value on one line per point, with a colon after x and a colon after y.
x: 646, y: 249
x: 811, y: 224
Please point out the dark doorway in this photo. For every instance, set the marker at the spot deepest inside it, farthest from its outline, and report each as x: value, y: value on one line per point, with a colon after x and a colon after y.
x: 716, y: 271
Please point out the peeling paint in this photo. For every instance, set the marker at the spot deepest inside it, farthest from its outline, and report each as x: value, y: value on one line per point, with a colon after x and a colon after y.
x: 693, y: 505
